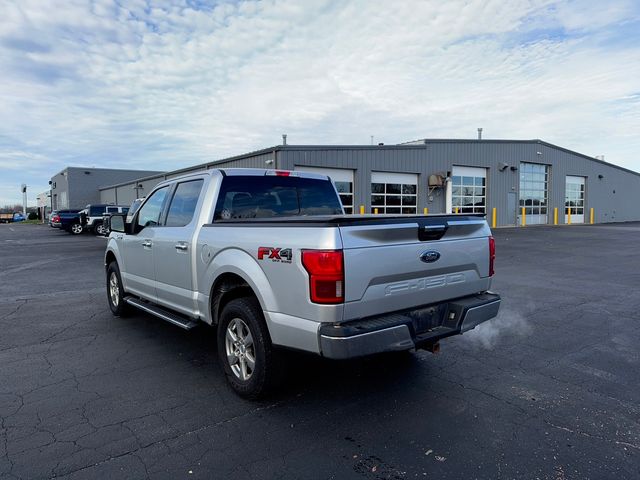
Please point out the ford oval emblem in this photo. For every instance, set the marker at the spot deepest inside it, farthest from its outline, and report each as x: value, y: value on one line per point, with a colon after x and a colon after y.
x: 429, y: 256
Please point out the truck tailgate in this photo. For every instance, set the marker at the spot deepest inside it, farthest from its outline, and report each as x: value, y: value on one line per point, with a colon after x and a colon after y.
x: 384, y: 271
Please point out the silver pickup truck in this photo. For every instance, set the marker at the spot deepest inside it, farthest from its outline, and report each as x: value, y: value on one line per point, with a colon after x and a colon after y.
x: 270, y: 259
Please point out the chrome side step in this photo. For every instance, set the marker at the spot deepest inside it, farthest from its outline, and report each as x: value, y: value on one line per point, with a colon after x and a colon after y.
x: 160, y: 312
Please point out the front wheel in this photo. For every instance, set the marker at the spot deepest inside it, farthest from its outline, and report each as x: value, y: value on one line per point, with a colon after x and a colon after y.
x: 246, y: 354
x: 115, y: 291
x: 76, y: 229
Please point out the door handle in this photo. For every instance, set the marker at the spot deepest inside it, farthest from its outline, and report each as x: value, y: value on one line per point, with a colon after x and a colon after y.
x: 182, y: 246
x: 147, y: 243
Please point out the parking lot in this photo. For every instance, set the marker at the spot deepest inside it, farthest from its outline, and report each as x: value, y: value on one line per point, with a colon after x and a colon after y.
x: 547, y: 390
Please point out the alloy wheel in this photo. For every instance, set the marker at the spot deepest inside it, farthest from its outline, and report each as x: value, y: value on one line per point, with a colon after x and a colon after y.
x: 114, y: 289
x: 240, y: 349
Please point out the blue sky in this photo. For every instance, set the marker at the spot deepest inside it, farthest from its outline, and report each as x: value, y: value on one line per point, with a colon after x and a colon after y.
x: 164, y: 85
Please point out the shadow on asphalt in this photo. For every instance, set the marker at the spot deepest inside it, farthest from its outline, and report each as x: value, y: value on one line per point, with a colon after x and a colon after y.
x: 304, y: 373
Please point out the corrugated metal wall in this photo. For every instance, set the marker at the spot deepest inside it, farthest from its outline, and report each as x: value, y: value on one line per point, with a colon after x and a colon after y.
x: 438, y: 157
x: 125, y: 193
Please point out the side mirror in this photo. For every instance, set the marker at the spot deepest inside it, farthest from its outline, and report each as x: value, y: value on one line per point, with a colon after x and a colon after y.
x: 117, y: 223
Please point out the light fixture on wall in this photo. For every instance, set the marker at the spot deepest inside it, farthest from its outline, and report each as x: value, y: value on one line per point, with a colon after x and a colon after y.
x: 600, y: 176
x: 513, y: 169
x: 502, y: 166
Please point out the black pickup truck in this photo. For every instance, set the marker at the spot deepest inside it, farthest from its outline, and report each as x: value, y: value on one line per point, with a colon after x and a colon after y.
x: 68, y: 220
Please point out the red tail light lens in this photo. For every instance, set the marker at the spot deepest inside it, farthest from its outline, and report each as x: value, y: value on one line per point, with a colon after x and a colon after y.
x: 492, y: 255
x: 326, y: 275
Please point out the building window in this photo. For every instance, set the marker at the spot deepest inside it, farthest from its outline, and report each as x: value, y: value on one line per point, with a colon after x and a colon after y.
x: 341, y: 178
x: 534, y: 182
x: 574, y: 199
x: 469, y: 189
x: 394, y: 193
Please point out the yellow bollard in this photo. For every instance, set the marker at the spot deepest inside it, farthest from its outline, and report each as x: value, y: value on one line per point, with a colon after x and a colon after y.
x: 555, y: 216
x: 591, y: 216
x: 523, y: 223
x: 456, y: 210
x: 494, y: 218
x: 375, y: 210
x: 361, y: 209
x: 426, y: 211
x: 568, y: 216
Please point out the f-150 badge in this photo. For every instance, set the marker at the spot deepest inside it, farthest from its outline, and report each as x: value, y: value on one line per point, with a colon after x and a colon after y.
x: 275, y: 254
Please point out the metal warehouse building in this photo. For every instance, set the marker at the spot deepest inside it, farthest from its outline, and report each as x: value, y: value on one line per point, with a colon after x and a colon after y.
x: 76, y: 187
x: 513, y: 182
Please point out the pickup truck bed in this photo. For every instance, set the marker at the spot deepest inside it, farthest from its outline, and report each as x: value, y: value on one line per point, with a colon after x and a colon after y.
x: 336, y: 285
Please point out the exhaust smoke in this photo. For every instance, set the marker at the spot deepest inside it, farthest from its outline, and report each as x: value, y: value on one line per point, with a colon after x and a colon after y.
x: 508, y: 324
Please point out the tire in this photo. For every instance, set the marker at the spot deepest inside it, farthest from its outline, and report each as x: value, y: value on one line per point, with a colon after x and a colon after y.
x: 76, y: 229
x: 115, y: 291
x: 99, y: 229
x: 242, y: 318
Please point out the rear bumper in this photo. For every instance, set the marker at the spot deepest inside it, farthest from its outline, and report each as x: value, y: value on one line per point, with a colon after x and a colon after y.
x: 404, y: 330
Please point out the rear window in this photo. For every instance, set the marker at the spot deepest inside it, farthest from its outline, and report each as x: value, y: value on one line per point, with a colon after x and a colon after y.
x: 96, y: 211
x: 273, y: 196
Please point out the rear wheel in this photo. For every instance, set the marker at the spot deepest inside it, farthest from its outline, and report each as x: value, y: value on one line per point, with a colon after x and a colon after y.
x: 251, y: 364
x: 115, y: 292
x: 99, y: 229
x: 76, y: 229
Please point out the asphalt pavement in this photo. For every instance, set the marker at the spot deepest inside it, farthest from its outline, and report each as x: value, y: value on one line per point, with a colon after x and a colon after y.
x: 548, y: 390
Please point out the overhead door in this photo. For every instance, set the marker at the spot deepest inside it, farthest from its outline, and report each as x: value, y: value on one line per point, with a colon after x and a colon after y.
x: 534, y: 193
x: 574, y: 197
x: 468, y: 189
x: 394, y: 193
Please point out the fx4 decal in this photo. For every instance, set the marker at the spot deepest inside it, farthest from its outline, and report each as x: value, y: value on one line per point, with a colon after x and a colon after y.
x: 282, y: 255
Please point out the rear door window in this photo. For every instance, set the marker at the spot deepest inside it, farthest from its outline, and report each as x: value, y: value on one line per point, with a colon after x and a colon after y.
x: 275, y: 196
x: 183, y: 203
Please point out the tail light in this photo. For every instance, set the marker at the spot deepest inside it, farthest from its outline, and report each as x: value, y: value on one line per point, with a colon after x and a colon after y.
x: 492, y: 255
x: 326, y: 275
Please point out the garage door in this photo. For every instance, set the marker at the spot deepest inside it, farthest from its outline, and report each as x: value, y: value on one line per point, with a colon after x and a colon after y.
x: 574, y: 194
x: 394, y: 193
x: 468, y: 189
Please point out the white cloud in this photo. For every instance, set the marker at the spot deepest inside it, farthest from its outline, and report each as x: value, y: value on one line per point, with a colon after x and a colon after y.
x: 164, y: 85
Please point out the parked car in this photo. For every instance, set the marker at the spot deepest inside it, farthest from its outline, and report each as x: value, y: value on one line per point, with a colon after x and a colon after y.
x: 55, y: 219
x: 92, y: 216
x: 70, y: 221
x: 271, y: 260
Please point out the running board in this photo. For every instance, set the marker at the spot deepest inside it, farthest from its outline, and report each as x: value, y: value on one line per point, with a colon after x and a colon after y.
x: 159, y: 312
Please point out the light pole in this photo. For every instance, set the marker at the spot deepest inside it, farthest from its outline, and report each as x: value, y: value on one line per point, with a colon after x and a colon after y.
x: 24, y: 199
